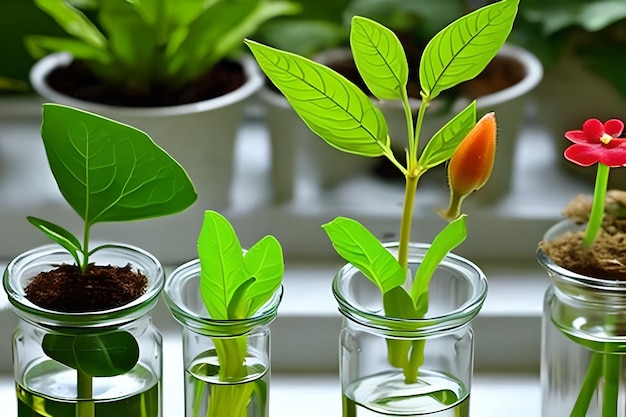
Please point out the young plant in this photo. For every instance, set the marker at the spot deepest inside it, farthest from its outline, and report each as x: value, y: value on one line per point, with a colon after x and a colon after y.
x: 107, y: 171
x: 347, y: 119
x: 598, y: 143
x: 234, y: 285
x: 143, y: 44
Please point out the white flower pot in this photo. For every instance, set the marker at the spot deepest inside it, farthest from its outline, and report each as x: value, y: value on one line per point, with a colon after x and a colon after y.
x: 200, y: 136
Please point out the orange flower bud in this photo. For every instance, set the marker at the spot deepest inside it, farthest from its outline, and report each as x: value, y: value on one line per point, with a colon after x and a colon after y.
x: 472, y: 163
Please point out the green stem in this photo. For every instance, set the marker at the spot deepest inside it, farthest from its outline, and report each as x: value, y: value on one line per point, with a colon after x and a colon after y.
x: 588, y: 386
x: 85, y: 406
x: 611, y: 373
x: 230, y: 399
x: 85, y: 260
x: 597, y: 207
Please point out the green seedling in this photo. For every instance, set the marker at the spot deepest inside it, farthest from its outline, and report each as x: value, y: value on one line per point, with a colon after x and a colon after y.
x: 107, y: 171
x: 234, y: 285
x: 343, y: 116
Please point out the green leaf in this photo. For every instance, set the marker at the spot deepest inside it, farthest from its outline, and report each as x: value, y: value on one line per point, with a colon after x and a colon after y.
x: 463, y: 49
x: 99, y: 355
x: 333, y: 107
x: 60, y: 235
x: 239, y: 303
x: 358, y: 246
x: 221, y: 264
x: 133, y: 44
x: 73, y: 21
x: 40, y: 46
x: 443, y: 144
x: 108, y: 171
x: 263, y: 261
x: 219, y: 30
x: 379, y: 58
x: 450, y: 237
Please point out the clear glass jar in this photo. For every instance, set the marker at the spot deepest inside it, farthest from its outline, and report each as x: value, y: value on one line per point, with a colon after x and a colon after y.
x: 227, y: 362
x: 583, y: 341
x: 46, y: 387
x: 439, y: 346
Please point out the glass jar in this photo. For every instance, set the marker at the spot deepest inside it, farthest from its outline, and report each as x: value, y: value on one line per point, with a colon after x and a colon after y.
x: 227, y: 362
x: 438, y: 348
x: 583, y: 341
x: 47, y: 387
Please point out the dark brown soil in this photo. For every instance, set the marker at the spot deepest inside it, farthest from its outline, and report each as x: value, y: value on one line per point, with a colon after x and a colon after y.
x: 606, y: 258
x: 76, y: 80
x: 66, y: 289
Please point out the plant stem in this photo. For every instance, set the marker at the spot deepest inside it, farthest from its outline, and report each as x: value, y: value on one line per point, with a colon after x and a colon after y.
x: 588, y: 386
x: 412, y: 177
x: 85, y: 406
x: 611, y: 373
x: 230, y: 399
x: 85, y: 260
x: 597, y: 207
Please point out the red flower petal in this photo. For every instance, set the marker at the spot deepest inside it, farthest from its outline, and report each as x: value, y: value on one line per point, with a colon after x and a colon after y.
x: 593, y: 128
x: 583, y: 155
x: 614, y: 127
x: 613, y: 156
x: 578, y: 136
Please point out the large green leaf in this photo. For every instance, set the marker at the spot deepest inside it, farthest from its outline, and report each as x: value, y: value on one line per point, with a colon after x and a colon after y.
x: 101, y: 355
x: 380, y: 59
x: 221, y: 264
x: 73, y: 22
x: 333, y: 107
x: 358, y: 246
x: 450, y: 237
x: 443, y: 144
x: 108, y: 171
x: 40, y: 46
x: 463, y: 49
x: 263, y: 261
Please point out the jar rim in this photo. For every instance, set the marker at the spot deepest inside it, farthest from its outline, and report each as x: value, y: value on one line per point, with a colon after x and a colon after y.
x: 563, y: 277
x: 402, y: 327
x: 40, y: 257
x: 204, y: 324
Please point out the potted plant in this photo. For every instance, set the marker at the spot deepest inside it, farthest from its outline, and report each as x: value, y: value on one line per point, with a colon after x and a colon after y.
x: 574, y: 39
x: 85, y: 344
x: 503, y: 87
x: 225, y: 301
x: 406, y: 345
x: 582, y: 367
x: 170, y: 69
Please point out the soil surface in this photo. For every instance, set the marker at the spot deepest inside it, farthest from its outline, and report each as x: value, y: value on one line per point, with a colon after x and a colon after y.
x: 76, y: 80
x: 68, y: 290
x: 606, y: 258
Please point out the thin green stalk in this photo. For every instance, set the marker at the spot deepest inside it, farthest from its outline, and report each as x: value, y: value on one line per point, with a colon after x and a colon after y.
x: 85, y: 407
x: 589, y: 385
x: 611, y: 374
x: 85, y: 260
x: 412, y: 176
x: 597, y: 208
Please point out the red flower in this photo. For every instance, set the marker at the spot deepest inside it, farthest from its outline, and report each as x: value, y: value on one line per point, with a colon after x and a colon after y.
x: 597, y: 142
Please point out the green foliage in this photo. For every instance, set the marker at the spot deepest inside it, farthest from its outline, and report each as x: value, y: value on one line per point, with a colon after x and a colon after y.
x: 143, y: 43
x: 107, y: 171
x: 340, y: 113
x: 234, y: 285
x: 354, y: 242
x: 97, y: 355
x: 592, y: 30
